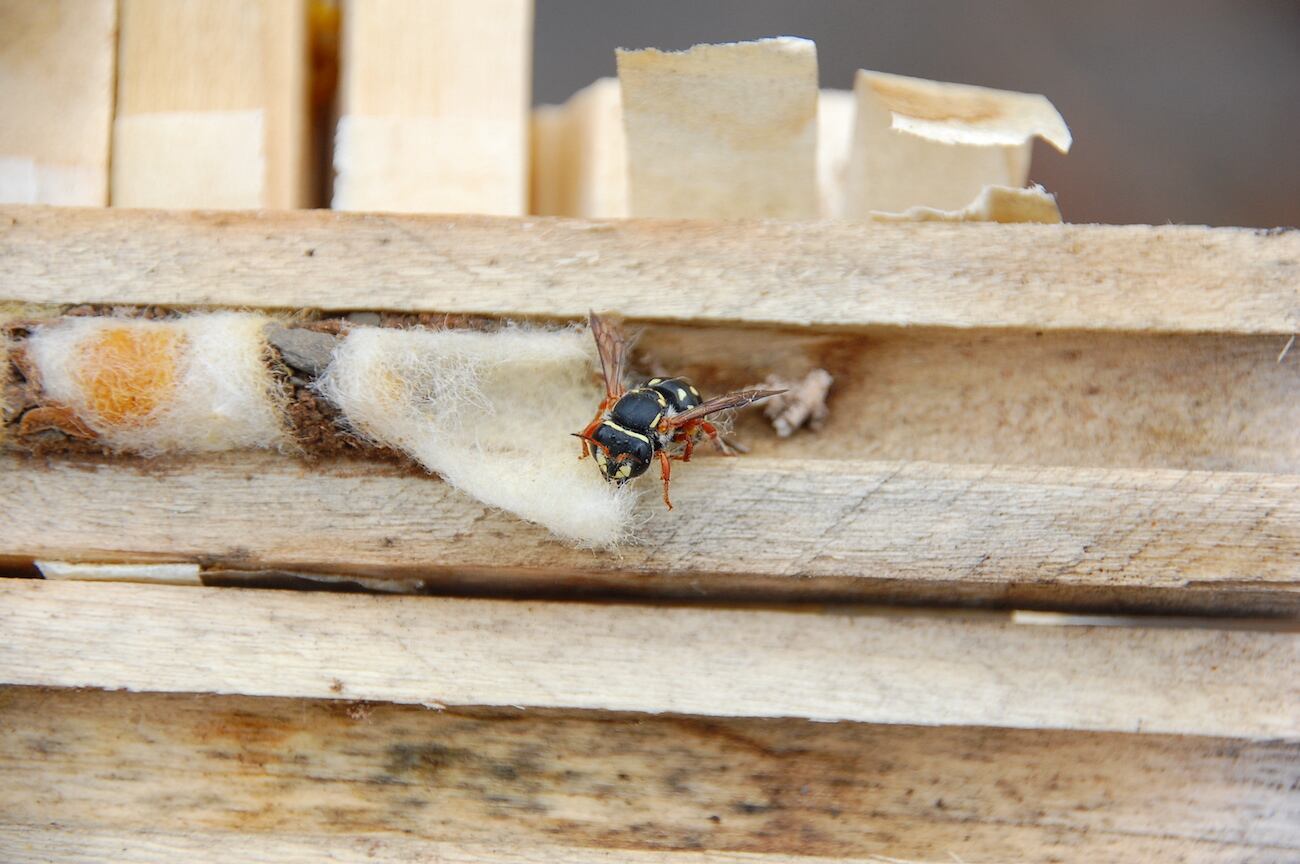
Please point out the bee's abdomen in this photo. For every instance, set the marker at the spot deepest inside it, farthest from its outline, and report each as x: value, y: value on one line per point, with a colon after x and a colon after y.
x: 639, y: 410
x: 680, y: 394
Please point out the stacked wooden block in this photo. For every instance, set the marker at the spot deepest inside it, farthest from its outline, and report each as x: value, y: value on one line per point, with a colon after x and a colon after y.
x: 1030, y: 594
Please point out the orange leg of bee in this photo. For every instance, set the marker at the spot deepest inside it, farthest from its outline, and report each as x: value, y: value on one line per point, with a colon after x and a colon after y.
x: 605, y: 405
x: 665, y: 471
x: 687, y: 438
x: 712, y: 431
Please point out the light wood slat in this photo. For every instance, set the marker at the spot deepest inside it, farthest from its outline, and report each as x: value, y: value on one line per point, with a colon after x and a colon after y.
x: 1086, y: 538
x: 43, y: 844
x: 56, y: 86
x: 212, y: 104
x: 749, y: 663
x: 433, y: 106
x: 264, y: 774
x: 828, y: 274
x: 721, y: 131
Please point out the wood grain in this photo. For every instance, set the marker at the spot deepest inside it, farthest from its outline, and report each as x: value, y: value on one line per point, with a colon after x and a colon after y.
x: 580, y: 154
x: 56, y: 86
x: 721, y: 131
x: 1005, y: 397
x: 45, y: 844
x: 747, y: 527
x: 403, y: 783
x: 433, y: 100
x: 830, y: 275
x: 920, y: 670
x: 212, y: 104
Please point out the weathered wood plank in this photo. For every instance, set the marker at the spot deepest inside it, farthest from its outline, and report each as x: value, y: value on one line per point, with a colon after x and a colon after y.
x: 826, y: 274
x: 734, y: 663
x: 264, y: 774
x: 1029, y: 536
x: 45, y: 844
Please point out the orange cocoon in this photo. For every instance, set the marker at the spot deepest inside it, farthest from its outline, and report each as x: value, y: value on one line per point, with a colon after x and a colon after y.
x: 125, y: 373
x: 197, y: 383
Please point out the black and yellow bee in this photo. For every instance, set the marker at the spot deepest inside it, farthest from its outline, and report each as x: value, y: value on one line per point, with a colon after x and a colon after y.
x: 634, y: 427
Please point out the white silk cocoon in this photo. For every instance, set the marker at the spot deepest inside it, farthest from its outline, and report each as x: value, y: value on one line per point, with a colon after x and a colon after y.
x: 193, y: 384
x: 490, y: 412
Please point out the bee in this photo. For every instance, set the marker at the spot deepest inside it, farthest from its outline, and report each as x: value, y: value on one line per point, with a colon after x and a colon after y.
x: 634, y: 427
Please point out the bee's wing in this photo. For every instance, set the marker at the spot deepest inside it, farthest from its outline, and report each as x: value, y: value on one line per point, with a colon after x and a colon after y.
x: 611, y: 344
x: 739, y: 399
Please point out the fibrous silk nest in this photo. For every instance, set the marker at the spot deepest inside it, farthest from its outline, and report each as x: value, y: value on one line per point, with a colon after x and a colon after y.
x: 490, y: 412
x: 194, y: 384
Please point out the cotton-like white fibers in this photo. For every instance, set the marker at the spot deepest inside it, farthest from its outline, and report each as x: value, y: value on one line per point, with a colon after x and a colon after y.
x: 193, y: 384
x: 490, y: 412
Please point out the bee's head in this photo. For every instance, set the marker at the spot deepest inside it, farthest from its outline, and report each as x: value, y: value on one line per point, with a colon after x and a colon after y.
x: 621, y: 454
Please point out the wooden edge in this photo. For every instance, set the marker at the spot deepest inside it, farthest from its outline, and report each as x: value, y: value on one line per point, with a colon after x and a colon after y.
x: 834, y: 275
x: 161, y: 574
x: 708, y: 662
x: 1065, y: 538
x: 313, y: 779
x: 45, y: 844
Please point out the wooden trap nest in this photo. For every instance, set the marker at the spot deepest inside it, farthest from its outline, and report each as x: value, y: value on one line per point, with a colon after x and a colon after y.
x: 1032, y: 551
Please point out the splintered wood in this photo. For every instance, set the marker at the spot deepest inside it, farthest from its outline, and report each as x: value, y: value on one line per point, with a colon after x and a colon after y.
x: 739, y: 130
x: 709, y: 662
x: 434, y: 106
x: 211, y: 104
x: 56, y: 86
x: 931, y: 144
x: 722, y: 131
x: 993, y: 204
x: 268, y: 779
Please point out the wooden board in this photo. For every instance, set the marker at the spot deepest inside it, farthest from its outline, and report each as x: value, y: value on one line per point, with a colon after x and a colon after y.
x: 580, y: 155
x: 1032, y: 536
x: 933, y: 144
x: 831, y: 275
x: 724, y: 131
x: 923, y: 670
x: 253, y: 779
x: 212, y: 104
x: 56, y: 86
x: 433, y: 100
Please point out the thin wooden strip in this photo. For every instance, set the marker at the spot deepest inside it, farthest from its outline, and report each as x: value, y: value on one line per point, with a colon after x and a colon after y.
x: 877, y: 669
x: 47, y: 844
x: 162, y: 574
x: 263, y: 771
x: 1041, y: 536
x: 212, y: 105
x: 56, y: 86
x: 722, y: 131
x: 433, y: 104
x: 826, y: 274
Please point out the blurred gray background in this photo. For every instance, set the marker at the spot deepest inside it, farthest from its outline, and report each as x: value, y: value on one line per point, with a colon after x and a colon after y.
x: 1182, y: 111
